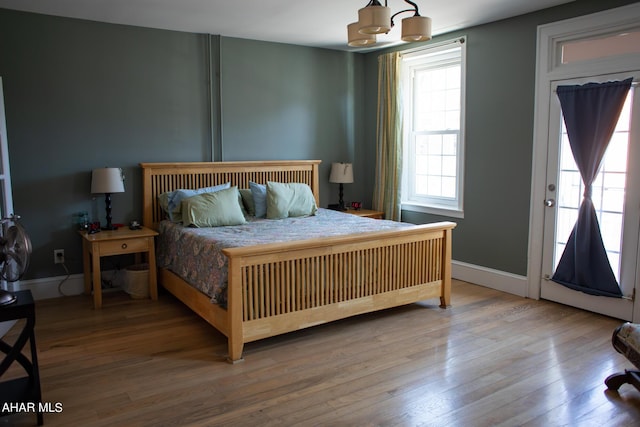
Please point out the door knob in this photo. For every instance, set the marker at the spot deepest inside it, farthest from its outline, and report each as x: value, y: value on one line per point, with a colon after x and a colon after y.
x: 550, y: 202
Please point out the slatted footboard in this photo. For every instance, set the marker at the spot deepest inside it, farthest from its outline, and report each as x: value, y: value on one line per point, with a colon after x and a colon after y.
x: 280, y: 288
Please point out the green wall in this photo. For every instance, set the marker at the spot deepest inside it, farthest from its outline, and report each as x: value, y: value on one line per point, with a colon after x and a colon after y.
x: 81, y: 95
x: 500, y: 90
x: 284, y: 101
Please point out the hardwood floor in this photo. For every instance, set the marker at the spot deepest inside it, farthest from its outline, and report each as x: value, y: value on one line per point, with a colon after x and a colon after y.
x: 492, y: 359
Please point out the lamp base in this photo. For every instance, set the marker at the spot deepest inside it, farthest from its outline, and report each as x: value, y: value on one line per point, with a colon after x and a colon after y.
x: 341, y: 200
x: 336, y: 207
x: 107, y: 204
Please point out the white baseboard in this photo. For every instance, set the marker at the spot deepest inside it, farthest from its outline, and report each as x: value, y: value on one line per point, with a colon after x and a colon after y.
x: 74, y: 285
x: 51, y: 287
x: 490, y: 278
x: 54, y: 287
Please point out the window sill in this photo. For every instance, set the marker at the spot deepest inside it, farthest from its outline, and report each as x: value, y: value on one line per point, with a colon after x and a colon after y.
x: 443, y: 211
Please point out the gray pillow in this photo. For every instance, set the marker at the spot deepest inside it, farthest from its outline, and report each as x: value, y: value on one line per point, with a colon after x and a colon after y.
x: 247, y: 201
x: 213, y: 209
x: 259, y: 193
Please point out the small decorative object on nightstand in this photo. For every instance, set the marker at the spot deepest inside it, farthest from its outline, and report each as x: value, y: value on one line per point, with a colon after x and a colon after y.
x: 341, y: 173
x: 116, y: 242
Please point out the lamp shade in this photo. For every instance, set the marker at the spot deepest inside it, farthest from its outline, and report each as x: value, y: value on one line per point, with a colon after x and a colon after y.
x: 356, y: 38
x: 341, y: 173
x: 416, y: 29
x: 374, y: 19
x: 107, y: 180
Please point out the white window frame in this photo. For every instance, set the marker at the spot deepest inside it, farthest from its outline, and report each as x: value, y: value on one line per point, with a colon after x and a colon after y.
x: 417, y: 59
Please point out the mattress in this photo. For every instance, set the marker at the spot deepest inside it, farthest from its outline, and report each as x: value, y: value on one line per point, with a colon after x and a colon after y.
x: 195, y: 254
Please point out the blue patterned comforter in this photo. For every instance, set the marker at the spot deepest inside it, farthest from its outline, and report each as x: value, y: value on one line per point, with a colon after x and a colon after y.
x: 195, y: 254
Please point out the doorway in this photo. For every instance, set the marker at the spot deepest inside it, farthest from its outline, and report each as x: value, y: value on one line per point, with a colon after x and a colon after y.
x: 576, y: 52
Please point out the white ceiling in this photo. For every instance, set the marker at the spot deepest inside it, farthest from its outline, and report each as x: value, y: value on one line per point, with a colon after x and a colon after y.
x: 302, y: 22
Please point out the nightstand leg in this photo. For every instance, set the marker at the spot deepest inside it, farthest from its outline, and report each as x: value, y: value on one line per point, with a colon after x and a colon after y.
x: 153, y: 273
x: 97, y: 280
x: 86, y: 262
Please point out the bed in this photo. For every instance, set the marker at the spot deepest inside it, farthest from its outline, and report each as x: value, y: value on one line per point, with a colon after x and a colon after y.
x: 275, y: 288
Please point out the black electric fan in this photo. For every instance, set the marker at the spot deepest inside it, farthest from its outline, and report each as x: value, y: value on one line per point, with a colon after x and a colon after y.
x: 15, y: 251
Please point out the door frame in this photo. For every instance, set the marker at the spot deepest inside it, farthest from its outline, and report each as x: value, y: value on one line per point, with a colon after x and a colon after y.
x: 6, y: 201
x: 548, y: 70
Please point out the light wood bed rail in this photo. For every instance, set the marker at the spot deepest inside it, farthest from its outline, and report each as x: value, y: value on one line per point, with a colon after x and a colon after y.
x: 282, y: 287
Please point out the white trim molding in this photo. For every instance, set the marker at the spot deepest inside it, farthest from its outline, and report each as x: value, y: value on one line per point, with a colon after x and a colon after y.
x: 49, y: 287
x: 490, y: 278
x: 63, y: 286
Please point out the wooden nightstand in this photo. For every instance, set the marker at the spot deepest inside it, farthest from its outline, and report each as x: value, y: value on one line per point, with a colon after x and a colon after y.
x: 366, y: 213
x: 116, y: 242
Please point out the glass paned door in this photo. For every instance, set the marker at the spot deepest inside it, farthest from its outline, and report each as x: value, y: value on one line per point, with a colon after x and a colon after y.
x: 616, y: 198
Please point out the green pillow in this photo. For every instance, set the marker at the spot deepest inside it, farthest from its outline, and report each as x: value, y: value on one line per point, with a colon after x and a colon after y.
x: 171, y: 201
x: 289, y: 200
x: 213, y: 209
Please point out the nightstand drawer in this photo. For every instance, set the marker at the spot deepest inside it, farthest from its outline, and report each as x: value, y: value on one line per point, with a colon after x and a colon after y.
x: 117, y: 247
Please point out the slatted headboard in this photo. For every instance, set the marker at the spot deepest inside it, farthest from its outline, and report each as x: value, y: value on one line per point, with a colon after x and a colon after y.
x: 158, y: 178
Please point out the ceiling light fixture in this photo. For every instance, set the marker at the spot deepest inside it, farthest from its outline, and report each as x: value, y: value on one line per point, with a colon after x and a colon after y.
x: 377, y: 19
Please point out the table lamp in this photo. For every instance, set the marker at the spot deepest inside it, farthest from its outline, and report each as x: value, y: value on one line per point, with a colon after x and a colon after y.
x: 341, y: 173
x: 107, y: 181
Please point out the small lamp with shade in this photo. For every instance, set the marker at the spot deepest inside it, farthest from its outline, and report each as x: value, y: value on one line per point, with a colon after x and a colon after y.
x: 107, y: 181
x: 341, y: 173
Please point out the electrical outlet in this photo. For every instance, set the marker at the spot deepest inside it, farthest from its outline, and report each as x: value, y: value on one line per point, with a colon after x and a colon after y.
x: 58, y: 256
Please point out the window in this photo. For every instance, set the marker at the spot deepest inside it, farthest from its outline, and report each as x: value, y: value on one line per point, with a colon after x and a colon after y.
x: 618, y: 43
x: 433, y: 87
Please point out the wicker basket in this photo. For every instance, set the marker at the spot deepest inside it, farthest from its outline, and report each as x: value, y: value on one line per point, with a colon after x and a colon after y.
x: 136, y: 281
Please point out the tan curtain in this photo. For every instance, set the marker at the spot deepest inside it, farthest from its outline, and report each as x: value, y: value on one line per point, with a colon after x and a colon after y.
x: 386, y: 192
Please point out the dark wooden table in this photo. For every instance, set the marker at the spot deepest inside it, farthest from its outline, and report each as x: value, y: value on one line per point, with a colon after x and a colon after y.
x: 23, y: 393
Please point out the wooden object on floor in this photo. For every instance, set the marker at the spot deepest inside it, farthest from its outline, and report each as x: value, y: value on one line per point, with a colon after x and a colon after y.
x: 493, y: 359
x: 116, y: 242
x: 625, y: 340
x: 22, y: 391
x: 283, y: 287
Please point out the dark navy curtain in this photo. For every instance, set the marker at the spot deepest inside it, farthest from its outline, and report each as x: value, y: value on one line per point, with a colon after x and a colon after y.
x: 590, y: 113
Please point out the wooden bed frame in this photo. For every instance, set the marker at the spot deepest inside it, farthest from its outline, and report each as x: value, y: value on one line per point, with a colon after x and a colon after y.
x: 282, y: 287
